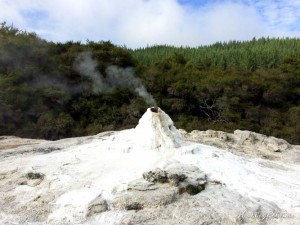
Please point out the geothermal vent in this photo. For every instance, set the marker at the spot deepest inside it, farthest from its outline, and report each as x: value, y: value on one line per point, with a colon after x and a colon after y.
x: 156, y: 130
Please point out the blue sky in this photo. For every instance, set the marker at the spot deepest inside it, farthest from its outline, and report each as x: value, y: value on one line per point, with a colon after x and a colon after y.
x: 138, y: 23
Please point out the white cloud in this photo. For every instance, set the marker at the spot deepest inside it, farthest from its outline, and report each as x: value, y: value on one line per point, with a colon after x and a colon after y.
x: 281, y: 15
x: 140, y: 22
x: 232, y: 21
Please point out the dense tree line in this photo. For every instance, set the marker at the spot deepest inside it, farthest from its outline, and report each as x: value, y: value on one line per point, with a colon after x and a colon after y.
x: 263, y: 52
x: 253, y: 85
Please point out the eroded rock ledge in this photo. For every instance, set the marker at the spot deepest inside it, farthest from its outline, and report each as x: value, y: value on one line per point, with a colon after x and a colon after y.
x: 161, y: 187
x: 181, y: 194
x: 243, y: 142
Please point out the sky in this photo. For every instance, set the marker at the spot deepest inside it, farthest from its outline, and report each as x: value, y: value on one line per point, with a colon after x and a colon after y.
x: 140, y: 23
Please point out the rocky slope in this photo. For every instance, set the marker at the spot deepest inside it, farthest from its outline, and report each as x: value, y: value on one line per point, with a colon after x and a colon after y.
x: 247, y: 143
x: 153, y: 174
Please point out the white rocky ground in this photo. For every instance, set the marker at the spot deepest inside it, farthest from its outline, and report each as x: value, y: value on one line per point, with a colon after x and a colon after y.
x: 150, y: 175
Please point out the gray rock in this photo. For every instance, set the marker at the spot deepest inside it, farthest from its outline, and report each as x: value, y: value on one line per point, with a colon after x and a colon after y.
x: 187, y: 178
x: 163, y: 194
x: 2, y: 176
x: 243, y: 142
x: 33, y: 183
x: 156, y: 176
x: 98, y: 205
x: 216, y: 205
x: 175, y: 179
x: 141, y: 185
x: 31, y: 179
x: 161, y: 187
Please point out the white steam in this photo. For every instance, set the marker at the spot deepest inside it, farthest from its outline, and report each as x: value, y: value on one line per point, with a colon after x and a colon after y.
x: 115, y: 77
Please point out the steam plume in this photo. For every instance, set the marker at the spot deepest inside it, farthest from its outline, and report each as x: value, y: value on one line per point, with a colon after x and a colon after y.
x: 115, y: 77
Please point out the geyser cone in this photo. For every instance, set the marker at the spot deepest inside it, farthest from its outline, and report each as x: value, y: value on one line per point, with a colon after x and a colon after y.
x: 156, y: 130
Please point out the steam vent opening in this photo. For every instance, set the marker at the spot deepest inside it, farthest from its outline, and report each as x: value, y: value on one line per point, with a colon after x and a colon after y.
x: 154, y: 109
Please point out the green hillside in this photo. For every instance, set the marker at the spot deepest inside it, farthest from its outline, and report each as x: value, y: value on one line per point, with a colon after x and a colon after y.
x: 252, y: 85
x: 263, y: 52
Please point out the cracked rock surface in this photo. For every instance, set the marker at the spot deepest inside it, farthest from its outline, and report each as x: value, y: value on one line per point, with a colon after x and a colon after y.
x: 158, y: 188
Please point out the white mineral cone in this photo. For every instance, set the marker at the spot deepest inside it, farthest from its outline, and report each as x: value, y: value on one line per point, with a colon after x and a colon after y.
x: 156, y: 130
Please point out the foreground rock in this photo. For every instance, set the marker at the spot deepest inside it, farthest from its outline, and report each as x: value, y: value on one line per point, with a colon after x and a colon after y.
x: 214, y: 205
x: 161, y: 187
x: 157, y: 199
x: 98, y: 205
x: 113, y: 178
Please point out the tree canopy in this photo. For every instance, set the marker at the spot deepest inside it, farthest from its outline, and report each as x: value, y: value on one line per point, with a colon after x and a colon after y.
x: 253, y: 85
